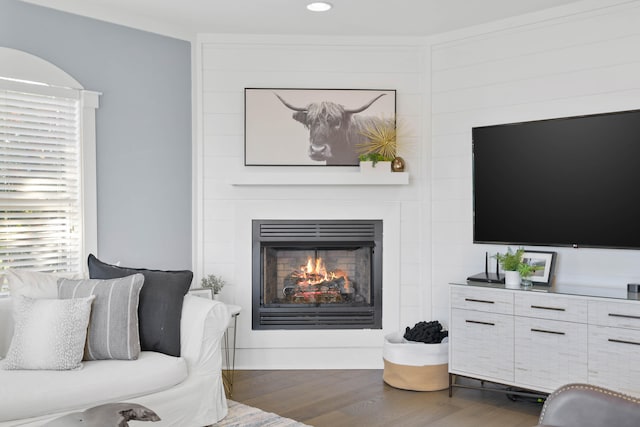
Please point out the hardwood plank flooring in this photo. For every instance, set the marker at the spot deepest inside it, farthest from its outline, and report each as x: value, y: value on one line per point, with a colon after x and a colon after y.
x: 352, y: 398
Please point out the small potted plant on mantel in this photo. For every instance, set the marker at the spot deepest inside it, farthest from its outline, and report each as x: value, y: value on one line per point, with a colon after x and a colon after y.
x: 370, y: 160
x: 514, y: 268
x: 213, y: 282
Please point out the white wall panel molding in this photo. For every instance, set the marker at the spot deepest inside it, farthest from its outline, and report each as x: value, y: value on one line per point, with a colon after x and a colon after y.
x: 228, y: 64
x: 534, y: 67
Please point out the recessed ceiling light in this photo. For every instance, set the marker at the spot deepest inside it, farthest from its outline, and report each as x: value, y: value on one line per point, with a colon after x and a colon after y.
x: 319, y: 6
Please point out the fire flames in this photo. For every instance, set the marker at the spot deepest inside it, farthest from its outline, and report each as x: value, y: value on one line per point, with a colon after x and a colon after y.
x: 313, y: 283
x: 314, y: 273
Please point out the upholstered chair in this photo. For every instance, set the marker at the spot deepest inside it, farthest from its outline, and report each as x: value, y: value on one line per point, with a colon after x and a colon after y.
x: 584, y: 405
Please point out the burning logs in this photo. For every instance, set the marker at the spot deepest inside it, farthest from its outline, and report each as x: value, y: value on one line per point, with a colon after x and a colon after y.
x: 299, y: 291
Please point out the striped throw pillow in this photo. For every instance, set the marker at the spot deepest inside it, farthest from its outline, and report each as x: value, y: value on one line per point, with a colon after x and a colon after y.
x: 113, y: 325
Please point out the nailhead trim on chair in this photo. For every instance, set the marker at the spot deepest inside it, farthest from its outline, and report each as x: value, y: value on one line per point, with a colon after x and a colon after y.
x: 588, y: 387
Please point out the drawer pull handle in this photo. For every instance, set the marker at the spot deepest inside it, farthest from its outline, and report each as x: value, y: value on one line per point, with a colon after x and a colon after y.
x: 624, y: 342
x: 547, y: 332
x: 626, y: 316
x: 540, y: 307
x: 480, y: 323
x: 479, y: 300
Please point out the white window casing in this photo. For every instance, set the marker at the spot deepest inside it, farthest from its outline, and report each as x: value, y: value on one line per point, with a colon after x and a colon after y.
x: 48, y: 209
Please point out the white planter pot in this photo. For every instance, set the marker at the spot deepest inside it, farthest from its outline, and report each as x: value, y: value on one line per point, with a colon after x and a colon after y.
x: 380, y: 167
x: 512, y: 279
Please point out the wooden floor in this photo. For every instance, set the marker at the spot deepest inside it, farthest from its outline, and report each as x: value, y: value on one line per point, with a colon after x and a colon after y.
x: 351, y: 398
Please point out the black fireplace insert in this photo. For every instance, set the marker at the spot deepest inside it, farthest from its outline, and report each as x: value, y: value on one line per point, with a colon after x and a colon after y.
x: 317, y: 274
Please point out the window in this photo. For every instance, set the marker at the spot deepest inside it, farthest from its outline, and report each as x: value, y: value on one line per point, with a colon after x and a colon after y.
x: 47, y: 173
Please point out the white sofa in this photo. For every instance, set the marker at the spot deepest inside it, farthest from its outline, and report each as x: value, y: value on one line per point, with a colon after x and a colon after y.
x: 184, y: 391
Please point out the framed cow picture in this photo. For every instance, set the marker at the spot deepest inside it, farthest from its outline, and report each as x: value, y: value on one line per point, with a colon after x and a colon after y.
x: 310, y: 127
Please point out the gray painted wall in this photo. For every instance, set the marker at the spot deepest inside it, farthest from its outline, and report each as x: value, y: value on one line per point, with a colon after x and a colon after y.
x: 143, y: 126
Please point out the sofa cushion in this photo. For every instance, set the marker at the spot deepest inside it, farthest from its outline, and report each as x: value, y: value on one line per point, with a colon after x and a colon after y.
x: 35, y: 284
x: 113, y: 325
x: 26, y: 394
x: 48, y: 334
x: 160, y: 307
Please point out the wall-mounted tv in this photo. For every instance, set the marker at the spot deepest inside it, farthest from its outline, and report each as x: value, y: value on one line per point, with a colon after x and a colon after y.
x: 572, y: 181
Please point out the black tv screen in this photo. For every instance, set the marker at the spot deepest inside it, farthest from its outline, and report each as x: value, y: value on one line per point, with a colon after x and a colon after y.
x: 573, y: 181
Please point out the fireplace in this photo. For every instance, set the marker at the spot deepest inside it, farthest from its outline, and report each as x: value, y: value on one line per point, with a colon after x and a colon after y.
x: 317, y: 274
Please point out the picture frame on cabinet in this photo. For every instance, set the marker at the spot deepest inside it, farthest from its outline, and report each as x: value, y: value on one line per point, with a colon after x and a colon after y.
x: 546, y: 261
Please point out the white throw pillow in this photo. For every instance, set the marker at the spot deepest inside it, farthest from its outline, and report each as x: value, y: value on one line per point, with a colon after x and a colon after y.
x: 35, y: 284
x: 48, y: 333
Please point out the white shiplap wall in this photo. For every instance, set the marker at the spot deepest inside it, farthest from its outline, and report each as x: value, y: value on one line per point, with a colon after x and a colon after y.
x: 582, y: 63
x: 569, y: 61
x: 225, y: 65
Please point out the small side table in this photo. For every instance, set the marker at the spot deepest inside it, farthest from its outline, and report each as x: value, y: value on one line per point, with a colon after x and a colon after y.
x: 228, y: 374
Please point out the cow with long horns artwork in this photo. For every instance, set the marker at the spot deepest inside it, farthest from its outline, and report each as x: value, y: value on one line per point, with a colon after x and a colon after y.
x: 334, y: 127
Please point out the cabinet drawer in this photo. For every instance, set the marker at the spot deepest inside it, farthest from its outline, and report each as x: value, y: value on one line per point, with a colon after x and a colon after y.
x: 614, y: 358
x: 482, y: 299
x: 615, y: 314
x: 481, y: 344
x: 552, y: 307
x: 549, y: 353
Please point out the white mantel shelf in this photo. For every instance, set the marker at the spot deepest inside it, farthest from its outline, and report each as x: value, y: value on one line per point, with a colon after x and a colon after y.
x: 314, y: 178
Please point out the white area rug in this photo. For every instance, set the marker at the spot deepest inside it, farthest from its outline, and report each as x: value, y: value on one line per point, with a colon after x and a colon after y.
x: 246, y: 416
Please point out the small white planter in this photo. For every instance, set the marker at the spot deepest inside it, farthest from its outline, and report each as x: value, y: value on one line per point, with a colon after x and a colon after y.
x: 512, y: 279
x: 380, y: 167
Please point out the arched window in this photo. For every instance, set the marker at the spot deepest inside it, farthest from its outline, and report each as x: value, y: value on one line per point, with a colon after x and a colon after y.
x: 47, y: 166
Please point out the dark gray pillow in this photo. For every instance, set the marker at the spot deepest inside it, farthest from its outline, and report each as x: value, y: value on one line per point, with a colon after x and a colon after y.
x: 113, y: 325
x: 160, y: 307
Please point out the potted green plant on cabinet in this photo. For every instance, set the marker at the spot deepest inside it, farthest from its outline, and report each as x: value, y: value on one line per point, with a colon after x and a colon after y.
x: 515, y: 269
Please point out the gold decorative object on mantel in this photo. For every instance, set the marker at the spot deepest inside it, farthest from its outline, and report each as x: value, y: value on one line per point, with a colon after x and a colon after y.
x: 382, y: 143
x: 397, y: 165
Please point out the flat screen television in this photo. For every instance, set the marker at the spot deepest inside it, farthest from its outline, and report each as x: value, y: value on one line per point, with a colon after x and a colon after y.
x: 573, y: 181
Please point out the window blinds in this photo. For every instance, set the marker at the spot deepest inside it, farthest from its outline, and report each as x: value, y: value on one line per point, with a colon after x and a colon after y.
x: 40, y: 187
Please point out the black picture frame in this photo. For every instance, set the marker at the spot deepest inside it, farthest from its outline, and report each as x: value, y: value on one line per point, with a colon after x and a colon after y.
x: 279, y: 123
x: 544, y: 259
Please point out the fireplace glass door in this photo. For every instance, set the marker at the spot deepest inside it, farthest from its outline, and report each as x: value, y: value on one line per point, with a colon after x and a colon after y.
x: 317, y: 276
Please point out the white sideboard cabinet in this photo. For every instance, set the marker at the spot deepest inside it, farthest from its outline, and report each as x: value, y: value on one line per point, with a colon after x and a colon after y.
x: 541, y: 338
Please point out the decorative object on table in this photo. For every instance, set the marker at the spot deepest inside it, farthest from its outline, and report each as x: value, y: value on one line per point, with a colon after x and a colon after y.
x: 213, y: 282
x: 328, y: 129
x: 108, y: 415
x: 202, y: 293
x: 544, y: 263
x: 515, y: 268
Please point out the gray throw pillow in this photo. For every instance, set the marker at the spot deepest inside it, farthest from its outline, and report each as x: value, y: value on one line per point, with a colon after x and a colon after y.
x: 48, y: 333
x: 160, y: 307
x: 113, y: 326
